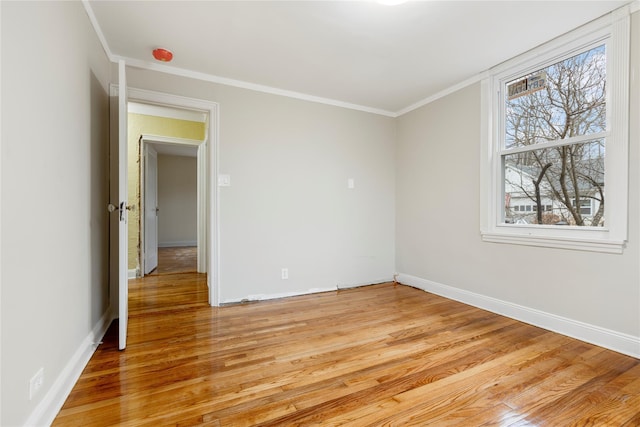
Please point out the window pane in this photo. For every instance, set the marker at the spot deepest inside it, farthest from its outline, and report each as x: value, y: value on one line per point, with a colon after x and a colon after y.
x: 564, y: 100
x: 552, y: 180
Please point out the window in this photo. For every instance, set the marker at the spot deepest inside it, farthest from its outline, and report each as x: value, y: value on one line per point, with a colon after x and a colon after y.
x: 586, y: 207
x: 545, y: 157
x: 555, y: 142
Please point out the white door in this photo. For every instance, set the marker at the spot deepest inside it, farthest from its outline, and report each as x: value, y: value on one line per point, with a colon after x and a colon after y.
x: 123, y: 280
x: 150, y: 209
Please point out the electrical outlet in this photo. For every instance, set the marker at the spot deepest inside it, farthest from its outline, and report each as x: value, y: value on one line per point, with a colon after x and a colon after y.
x: 36, y: 382
x: 285, y: 273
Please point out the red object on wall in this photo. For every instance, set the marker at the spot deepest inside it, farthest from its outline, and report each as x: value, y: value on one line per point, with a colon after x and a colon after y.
x: 163, y: 55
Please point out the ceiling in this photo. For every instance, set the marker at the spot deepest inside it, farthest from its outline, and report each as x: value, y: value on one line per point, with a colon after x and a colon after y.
x: 360, y: 54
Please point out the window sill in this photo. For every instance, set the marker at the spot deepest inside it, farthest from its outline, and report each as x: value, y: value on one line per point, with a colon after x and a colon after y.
x: 558, y: 242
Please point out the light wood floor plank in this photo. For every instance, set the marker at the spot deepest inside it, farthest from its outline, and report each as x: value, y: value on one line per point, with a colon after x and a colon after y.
x: 378, y: 355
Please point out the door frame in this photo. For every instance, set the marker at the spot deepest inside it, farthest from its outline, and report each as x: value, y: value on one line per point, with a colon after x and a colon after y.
x: 202, y: 193
x: 147, y: 152
x: 210, y: 158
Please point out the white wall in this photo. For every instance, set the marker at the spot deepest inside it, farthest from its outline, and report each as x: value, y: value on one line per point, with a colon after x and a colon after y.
x: 438, y: 232
x: 288, y: 204
x: 54, y: 193
x: 177, y: 200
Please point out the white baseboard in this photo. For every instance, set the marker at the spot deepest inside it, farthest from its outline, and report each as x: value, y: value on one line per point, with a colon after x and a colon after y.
x: 616, y: 341
x: 47, y: 410
x: 179, y: 243
x: 368, y: 283
x: 261, y: 297
x: 132, y: 273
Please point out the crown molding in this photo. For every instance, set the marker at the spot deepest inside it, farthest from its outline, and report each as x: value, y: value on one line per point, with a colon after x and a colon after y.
x: 448, y: 91
x: 631, y: 7
x: 98, y: 30
x: 221, y: 80
x: 167, y: 69
x: 615, y: 14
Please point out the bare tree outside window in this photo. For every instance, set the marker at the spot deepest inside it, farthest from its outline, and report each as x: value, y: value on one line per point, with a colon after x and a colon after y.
x: 554, y: 150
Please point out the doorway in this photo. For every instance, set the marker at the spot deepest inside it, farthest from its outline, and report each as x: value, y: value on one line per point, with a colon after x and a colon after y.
x: 207, y: 149
x: 172, y: 196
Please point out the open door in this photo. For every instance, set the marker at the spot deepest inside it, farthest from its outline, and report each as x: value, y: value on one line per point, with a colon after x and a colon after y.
x: 150, y: 209
x: 118, y: 265
x: 122, y: 209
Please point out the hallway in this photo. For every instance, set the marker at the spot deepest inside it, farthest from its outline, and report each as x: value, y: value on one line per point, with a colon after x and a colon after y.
x: 183, y: 259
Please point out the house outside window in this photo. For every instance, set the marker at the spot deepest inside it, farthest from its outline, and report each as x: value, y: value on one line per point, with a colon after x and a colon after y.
x: 585, y: 207
x: 555, y: 142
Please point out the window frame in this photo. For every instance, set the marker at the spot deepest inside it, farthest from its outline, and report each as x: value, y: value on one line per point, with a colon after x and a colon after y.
x: 613, y: 30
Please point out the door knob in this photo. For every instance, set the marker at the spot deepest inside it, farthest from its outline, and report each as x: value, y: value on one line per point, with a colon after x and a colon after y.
x: 112, y: 208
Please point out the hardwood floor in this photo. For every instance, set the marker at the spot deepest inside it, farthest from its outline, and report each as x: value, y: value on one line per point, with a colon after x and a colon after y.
x: 380, y: 355
x: 183, y: 259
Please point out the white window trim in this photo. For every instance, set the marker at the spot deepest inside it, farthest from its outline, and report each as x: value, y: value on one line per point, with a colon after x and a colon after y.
x: 613, y: 28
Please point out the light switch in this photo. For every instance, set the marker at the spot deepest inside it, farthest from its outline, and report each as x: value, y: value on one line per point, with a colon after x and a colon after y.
x: 351, y: 184
x: 224, y: 180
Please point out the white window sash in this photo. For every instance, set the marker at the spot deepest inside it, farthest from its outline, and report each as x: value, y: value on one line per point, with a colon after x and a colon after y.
x: 553, y: 144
